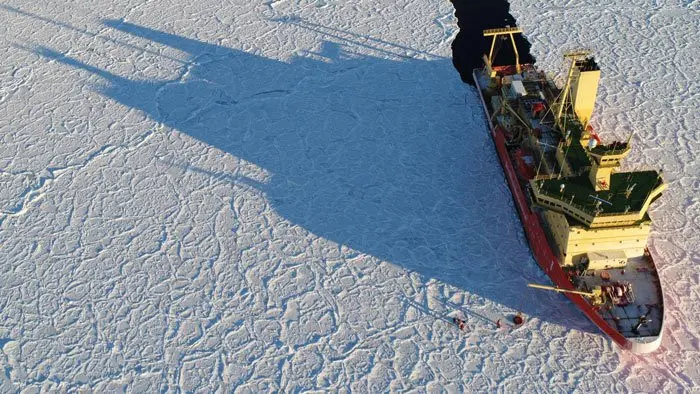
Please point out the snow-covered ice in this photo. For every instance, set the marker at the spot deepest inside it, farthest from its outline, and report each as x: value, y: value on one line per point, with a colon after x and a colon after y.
x: 294, y: 195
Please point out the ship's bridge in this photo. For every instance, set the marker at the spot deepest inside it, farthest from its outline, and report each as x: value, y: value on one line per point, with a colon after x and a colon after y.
x: 625, y: 202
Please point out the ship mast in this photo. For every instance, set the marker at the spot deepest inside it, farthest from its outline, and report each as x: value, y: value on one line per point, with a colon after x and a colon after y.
x: 574, y: 56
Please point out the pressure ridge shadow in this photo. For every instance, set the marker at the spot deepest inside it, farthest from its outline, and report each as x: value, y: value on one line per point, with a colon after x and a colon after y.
x: 357, y: 154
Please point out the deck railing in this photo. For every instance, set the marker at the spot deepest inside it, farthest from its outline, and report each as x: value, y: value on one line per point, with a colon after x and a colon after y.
x: 590, y: 216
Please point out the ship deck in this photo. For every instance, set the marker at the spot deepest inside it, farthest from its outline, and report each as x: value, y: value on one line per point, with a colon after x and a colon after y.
x: 641, y: 273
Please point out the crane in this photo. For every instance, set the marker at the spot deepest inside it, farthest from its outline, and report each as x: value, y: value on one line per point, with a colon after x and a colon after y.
x: 595, y: 296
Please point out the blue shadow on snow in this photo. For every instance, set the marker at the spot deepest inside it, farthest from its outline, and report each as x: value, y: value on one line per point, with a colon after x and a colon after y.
x: 359, y: 161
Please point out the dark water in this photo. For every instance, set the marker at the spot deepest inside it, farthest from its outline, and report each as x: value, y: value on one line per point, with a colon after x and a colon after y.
x: 473, y: 17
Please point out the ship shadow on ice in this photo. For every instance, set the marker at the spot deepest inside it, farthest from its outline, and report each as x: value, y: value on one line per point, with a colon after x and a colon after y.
x: 359, y: 152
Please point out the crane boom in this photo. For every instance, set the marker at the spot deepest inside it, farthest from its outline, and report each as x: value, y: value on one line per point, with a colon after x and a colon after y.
x: 552, y: 288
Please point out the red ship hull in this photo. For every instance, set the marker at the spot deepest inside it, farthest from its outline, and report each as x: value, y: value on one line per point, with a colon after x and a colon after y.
x: 536, y: 237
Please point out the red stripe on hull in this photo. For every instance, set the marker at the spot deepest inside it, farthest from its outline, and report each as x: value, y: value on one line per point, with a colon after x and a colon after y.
x: 537, y: 239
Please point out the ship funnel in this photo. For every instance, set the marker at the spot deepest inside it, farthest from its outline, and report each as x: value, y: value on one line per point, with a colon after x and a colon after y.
x: 584, y: 88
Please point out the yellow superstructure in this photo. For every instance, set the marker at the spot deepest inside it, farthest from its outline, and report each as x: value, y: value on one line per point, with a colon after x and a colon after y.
x: 602, y: 167
x: 584, y: 90
x: 595, y: 214
x: 576, y: 242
